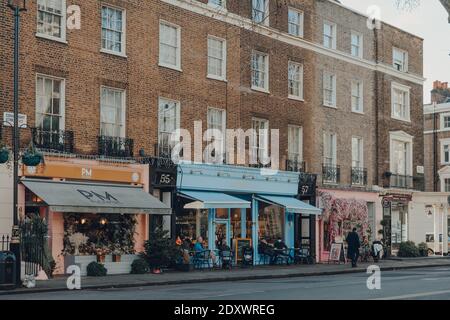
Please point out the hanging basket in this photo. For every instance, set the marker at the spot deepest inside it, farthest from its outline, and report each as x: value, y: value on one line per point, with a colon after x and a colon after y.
x: 32, y: 159
x: 4, y: 155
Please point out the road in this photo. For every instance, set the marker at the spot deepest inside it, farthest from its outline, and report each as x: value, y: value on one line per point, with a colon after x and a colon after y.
x: 420, y: 284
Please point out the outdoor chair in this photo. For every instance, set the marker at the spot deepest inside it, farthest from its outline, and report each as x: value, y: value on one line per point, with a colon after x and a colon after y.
x: 226, y: 258
x: 247, y: 257
x: 283, y: 257
x: 202, y: 259
x: 303, y: 256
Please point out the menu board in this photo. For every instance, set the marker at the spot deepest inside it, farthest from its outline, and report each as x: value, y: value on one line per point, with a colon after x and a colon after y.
x: 240, y: 243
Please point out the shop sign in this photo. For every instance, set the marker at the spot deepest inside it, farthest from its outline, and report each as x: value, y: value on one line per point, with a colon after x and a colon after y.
x: 307, y: 184
x: 164, y: 179
x: 386, y: 202
x: 8, y: 120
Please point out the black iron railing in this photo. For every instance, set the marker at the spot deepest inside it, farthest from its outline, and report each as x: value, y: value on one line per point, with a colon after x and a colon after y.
x: 115, y: 147
x: 57, y: 140
x: 295, y: 165
x: 359, y: 176
x: 4, y: 242
x: 331, y: 174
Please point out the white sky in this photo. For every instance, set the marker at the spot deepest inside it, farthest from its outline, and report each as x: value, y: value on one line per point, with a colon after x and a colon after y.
x: 430, y: 22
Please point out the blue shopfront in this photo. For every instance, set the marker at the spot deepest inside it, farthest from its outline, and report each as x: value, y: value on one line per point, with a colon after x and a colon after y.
x: 223, y: 203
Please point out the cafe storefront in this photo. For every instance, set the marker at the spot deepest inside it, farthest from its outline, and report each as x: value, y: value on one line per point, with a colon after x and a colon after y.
x: 95, y: 210
x: 232, y: 204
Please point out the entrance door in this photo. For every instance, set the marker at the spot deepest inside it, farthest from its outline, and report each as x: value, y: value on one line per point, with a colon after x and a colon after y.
x: 222, y: 232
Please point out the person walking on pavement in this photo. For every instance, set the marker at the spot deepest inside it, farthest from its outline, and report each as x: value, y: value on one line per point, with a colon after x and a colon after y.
x: 353, y: 247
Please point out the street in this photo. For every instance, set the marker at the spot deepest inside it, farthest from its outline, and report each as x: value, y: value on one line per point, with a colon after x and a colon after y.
x: 415, y: 284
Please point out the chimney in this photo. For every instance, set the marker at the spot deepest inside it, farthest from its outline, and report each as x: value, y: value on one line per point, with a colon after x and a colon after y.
x: 438, y: 94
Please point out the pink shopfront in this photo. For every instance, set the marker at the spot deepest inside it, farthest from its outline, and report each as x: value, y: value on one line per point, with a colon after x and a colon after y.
x: 342, y: 211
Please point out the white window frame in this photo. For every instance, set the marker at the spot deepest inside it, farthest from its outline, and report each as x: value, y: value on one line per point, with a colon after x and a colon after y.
x: 264, y: 89
x: 62, y: 99
x: 222, y: 6
x: 177, y: 114
x: 265, y: 20
x: 301, y: 22
x: 400, y: 136
x: 224, y: 127
x: 224, y: 59
x: 122, y: 53
x: 177, y: 66
x: 256, y: 146
x: 63, y: 37
x: 443, y: 186
x: 443, y: 143
x: 299, y: 156
x: 404, y: 89
x: 333, y: 103
x: 442, y: 121
x: 300, y: 89
x: 361, y: 96
x: 405, y: 64
x: 333, y: 35
x: 361, y: 44
x: 361, y: 151
x: 333, y: 141
x: 123, y: 110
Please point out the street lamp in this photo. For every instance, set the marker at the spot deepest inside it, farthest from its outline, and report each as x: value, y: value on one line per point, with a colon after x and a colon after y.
x: 17, y: 6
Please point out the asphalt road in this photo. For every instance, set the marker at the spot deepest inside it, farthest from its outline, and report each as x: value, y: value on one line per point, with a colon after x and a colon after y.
x: 415, y: 284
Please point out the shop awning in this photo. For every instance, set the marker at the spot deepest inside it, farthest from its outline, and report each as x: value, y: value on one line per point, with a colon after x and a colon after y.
x: 213, y: 200
x: 96, y: 198
x: 290, y: 204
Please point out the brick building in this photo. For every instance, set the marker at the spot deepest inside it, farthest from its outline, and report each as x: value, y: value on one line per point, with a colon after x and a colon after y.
x: 347, y: 99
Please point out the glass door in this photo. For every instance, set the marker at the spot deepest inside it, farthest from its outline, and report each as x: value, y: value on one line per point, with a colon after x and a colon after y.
x: 222, y: 233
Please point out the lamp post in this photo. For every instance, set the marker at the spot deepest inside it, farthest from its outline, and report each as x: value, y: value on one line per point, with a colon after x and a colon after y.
x: 17, y: 6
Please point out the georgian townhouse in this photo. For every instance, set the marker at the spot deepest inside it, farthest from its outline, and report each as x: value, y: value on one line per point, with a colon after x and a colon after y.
x: 103, y: 99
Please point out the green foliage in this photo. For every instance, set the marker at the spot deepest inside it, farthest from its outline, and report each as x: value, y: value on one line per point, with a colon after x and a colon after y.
x: 408, y: 250
x: 95, y: 269
x: 32, y: 157
x: 160, y: 251
x: 140, y: 266
x: 423, y: 249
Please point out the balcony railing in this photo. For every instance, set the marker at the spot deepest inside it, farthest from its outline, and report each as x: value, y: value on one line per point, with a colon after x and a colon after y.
x: 58, y: 140
x: 331, y: 174
x: 295, y: 165
x: 359, y: 176
x: 115, y: 147
x: 407, y: 182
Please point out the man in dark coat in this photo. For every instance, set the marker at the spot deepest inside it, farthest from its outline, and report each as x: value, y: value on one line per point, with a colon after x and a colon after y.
x: 353, y: 247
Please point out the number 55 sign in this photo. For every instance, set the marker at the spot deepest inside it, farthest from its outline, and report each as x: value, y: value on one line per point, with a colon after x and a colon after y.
x: 164, y: 179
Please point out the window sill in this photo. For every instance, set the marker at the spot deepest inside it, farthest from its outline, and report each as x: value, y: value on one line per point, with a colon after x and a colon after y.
x: 358, y: 112
x: 47, y: 37
x: 168, y: 66
x: 263, y: 90
x: 118, y: 54
x: 400, y: 119
x: 329, y: 106
x: 296, y: 98
x: 212, y: 77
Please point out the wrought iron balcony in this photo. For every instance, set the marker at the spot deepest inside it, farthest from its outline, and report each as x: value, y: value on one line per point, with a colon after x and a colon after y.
x: 115, y: 147
x: 57, y: 140
x: 331, y: 174
x: 295, y: 165
x: 406, y: 182
x: 359, y: 176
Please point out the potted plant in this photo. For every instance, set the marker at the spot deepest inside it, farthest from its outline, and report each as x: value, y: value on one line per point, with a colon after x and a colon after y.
x: 101, y: 253
x: 116, y: 252
x: 4, y: 153
x: 160, y: 251
x: 31, y: 157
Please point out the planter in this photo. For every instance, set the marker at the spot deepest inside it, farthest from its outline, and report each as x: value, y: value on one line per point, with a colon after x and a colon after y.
x: 116, y: 258
x: 31, y: 159
x: 4, y: 156
x: 157, y: 271
x: 101, y: 258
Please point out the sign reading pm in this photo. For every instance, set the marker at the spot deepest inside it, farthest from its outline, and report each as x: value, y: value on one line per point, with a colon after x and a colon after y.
x: 95, y: 197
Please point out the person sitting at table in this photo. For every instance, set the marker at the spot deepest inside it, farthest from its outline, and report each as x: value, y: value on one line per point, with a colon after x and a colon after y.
x: 266, y: 249
x: 198, y: 248
x: 281, y: 250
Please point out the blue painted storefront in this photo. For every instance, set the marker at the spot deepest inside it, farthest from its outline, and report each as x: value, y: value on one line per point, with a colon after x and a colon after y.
x: 242, y: 187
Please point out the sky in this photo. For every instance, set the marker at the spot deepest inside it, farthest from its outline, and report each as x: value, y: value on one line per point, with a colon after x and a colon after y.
x: 429, y: 21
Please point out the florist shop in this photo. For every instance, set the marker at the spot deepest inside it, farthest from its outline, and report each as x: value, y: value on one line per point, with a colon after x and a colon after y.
x: 95, y: 211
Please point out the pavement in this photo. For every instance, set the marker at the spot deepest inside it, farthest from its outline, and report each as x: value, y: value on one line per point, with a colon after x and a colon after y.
x: 58, y: 284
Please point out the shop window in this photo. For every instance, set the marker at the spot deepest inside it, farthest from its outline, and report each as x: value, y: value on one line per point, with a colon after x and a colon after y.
x: 271, y: 223
x: 192, y: 224
x: 222, y: 214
